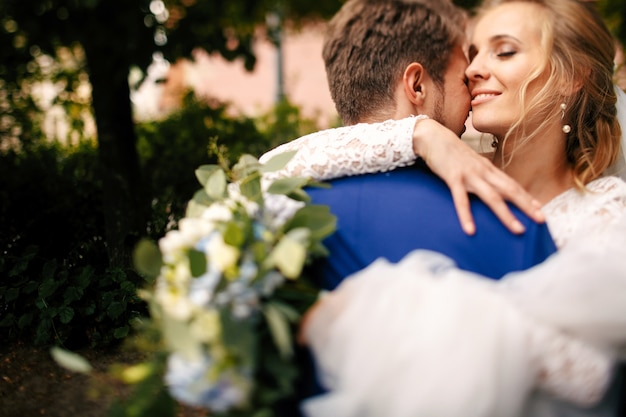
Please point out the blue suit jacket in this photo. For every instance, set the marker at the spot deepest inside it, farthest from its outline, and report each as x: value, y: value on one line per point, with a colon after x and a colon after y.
x: 389, y: 214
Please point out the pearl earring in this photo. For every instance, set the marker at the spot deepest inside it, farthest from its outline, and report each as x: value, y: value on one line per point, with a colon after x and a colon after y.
x: 566, y: 128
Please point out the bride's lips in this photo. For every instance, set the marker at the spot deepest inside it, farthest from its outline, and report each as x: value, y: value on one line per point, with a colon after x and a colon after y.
x: 483, y: 96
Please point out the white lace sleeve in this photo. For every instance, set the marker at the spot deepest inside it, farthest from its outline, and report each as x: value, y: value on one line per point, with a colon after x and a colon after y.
x: 350, y: 150
x: 568, y: 368
x: 573, y: 213
x: 580, y: 291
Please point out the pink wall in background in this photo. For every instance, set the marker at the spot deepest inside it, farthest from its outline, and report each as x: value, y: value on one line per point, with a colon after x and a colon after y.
x: 254, y: 92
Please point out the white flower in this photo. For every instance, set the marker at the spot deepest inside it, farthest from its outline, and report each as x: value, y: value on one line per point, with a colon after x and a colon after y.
x: 195, y: 228
x: 173, y: 300
x: 235, y: 195
x: 173, y: 246
x: 217, y: 212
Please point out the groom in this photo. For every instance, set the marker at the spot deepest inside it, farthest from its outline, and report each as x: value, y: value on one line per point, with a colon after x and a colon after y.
x: 390, y: 59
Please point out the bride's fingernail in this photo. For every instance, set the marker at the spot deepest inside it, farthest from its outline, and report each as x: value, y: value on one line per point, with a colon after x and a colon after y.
x: 469, y: 228
x: 517, y: 227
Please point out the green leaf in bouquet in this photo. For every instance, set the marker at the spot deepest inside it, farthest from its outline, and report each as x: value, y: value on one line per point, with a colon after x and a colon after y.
x: 277, y: 162
x: 318, y: 184
x: 246, y: 165
x: 194, y: 208
x: 234, y: 234
x: 197, y: 262
x: 250, y: 187
x: 240, y: 337
x: 204, y: 172
x: 147, y: 259
x: 289, y: 255
x: 286, y: 310
x: 278, y: 324
x: 215, y: 186
x: 199, y: 202
x: 70, y: 360
x: 287, y: 185
x: 317, y: 218
x: 299, y: 195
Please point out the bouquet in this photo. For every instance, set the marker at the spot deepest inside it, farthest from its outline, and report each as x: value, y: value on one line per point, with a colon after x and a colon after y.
x: 229, y: 286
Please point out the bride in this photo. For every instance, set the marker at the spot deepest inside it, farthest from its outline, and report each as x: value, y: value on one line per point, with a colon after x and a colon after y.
x: 422, y: 338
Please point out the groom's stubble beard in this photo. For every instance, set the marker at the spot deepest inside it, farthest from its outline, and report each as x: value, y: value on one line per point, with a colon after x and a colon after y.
x: 438, y: 109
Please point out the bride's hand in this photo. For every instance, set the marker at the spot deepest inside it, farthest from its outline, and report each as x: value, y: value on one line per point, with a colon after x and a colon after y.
x: 465, y: 171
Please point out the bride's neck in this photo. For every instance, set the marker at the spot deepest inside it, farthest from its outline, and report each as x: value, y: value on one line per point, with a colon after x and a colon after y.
x: 543, y: 171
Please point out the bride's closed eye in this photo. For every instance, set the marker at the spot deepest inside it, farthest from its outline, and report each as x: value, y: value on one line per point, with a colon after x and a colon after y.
x: 506, y: 54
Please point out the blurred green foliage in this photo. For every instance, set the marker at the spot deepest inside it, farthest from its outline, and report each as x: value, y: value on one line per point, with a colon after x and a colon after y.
x: 55, y: 282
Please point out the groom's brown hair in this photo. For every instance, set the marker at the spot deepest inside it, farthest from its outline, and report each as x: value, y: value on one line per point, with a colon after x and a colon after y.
x: 369, y: 43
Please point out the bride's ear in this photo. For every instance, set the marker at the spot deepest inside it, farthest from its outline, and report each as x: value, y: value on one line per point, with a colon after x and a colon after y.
x: 415, y: 86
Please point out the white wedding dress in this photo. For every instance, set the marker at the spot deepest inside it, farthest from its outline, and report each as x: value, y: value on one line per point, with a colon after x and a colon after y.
x: 422, y: 338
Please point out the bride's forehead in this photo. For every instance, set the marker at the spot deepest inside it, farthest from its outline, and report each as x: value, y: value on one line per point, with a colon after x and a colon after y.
x: 517, y: 19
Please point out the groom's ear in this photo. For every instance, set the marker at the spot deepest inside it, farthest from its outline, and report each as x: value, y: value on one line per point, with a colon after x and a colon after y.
x: 415, y: 85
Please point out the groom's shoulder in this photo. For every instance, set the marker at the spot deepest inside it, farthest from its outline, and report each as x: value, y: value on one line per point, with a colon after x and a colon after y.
x: 413, y: 177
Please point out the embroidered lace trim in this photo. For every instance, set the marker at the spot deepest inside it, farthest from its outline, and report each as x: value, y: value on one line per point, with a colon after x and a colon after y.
x: 350, y: 150
x: 573, y: 211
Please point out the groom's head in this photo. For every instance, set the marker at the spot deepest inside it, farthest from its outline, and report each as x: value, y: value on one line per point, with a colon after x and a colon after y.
x: 392, y: 58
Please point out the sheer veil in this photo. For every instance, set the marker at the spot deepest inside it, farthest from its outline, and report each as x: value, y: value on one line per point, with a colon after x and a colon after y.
x: 619, y: 167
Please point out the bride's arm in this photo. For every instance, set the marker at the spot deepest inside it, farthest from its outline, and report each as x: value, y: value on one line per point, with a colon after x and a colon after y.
x: 350, y: 150
x: 378, y: 147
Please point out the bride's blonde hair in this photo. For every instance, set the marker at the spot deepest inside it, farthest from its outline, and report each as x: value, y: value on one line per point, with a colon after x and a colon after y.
x: 579, y: 52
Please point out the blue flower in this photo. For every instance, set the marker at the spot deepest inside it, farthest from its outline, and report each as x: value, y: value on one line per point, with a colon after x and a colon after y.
x: 195, y: 382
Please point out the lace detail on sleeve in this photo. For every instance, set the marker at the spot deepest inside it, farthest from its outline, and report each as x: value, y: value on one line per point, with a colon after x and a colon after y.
x: 570, y: 369
x: 571, y: 212
x: 351, y: 150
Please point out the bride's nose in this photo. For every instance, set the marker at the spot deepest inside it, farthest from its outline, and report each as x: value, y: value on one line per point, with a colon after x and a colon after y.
x: 476, y: 69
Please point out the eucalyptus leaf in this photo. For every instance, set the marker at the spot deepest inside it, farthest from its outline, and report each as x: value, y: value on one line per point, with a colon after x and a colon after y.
x: 70, y: 360
x: 246, y: 165
x: 202, y: 198
x: 215, y: 186
x: 234, y: 234
x: 287, y: 185
x: 278, y: 162
x: 204, y: 172
x: 197, y: 262
x: 147, y: 259
x: 299, y: 195
x: 250, y: 187
x: 317, y: 218
x: 194, y: 208
x: 279, y: 328
x: 239, y: 337
x: 288, y: 311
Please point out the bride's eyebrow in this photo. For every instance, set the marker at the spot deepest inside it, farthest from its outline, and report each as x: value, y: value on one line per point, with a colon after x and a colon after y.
x: 497, y: 38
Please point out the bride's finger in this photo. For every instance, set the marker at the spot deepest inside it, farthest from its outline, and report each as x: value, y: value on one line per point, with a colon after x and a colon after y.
x: 462, y: 207
x: 496, y: 202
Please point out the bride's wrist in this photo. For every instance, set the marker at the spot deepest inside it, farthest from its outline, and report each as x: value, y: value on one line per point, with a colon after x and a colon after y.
x: 423, y: 131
